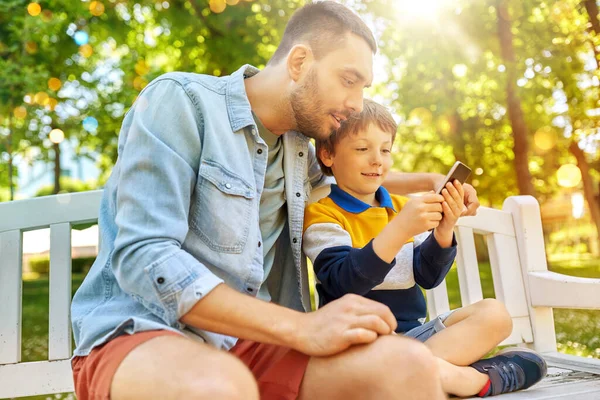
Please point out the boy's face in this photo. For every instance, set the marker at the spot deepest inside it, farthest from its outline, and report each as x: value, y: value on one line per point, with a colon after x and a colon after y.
x: 361, y: 162
x: 332, y: 88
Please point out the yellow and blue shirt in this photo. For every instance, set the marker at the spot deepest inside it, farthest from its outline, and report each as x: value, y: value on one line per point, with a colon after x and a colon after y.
x: 338, y: 238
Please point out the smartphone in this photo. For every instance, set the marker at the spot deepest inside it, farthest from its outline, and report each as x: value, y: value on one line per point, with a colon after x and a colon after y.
x: 459, y: 171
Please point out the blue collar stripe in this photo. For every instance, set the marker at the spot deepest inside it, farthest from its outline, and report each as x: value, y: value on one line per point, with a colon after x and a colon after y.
x: 351, y: 204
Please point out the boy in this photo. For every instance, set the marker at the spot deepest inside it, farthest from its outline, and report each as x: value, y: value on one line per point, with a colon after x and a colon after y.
x: 363, y: 240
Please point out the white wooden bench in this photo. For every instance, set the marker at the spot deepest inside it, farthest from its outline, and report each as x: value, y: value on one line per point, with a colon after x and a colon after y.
x: 516, y: 248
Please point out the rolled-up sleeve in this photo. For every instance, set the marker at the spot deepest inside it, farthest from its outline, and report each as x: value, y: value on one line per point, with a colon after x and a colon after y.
x: 157, y: 170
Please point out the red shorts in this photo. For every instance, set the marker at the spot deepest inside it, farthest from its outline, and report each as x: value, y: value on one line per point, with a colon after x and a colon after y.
x: 278, y: 370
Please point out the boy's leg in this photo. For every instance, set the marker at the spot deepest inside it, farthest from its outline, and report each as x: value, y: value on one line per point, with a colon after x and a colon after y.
x: 392, y: 367
x: 480, y: 327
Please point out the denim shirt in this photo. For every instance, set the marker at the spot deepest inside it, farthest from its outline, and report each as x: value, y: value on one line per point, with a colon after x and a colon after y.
x: 180, y: 212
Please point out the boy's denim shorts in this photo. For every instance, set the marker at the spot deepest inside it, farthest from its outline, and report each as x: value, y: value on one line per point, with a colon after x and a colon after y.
x: 428, y: 329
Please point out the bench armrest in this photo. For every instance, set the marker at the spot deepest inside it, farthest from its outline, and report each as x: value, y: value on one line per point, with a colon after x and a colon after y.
x: 550, y: 289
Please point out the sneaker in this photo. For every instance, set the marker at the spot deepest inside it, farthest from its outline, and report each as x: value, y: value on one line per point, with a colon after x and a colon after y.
x: 512, y: 369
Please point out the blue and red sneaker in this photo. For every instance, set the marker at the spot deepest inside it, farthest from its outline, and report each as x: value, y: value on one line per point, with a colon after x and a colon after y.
x: 512, y: 369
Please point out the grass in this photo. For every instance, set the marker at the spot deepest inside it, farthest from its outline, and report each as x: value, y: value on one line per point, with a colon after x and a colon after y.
x: 577, y: 331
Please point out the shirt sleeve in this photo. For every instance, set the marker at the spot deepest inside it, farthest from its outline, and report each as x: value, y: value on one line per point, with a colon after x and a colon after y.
x: 340, y: 269
x: 431, y: 262
x: 155, y: 178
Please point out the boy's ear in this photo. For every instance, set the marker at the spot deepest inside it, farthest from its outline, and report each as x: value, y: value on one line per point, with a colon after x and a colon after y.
x: 326, y: 157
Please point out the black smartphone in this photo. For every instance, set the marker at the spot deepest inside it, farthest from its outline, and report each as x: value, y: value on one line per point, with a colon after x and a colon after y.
x: 458, y: 171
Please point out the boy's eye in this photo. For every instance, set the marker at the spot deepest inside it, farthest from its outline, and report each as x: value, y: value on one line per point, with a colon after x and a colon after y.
x: 386, y: 150
x: 362, y: 149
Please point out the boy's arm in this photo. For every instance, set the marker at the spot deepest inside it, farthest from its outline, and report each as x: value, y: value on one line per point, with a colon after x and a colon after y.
x: 431, y: 262
x: 340, y: 268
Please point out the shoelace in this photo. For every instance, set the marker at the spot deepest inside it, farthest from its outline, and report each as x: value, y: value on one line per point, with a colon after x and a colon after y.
x: 508, y: 372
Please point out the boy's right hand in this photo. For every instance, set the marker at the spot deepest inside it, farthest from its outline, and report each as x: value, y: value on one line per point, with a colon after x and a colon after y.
x: 421, y: 214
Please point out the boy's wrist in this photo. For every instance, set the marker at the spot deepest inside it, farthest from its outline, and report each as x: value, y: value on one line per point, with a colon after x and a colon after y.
x: 443, y: 236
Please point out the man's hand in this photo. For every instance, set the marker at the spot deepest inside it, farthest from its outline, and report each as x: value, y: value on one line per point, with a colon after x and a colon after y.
x: 471, y: 201
x: 342, y: 323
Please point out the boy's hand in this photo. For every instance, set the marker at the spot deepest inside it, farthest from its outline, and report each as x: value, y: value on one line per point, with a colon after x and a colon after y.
x: 452, y: 206
x: 421, y: 214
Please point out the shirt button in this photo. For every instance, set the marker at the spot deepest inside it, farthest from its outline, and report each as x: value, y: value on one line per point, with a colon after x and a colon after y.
x: 298, y: 194
x: 250, y: 289
x: 295, y: 240
x: 259, y: 151
x: 301, y: 154
x: 228, y: 185
x: 259, y: 244
x: 160, y: 280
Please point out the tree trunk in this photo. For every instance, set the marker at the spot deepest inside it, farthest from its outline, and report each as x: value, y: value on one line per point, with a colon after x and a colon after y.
x: 56, y: 168
x: 588, y: 188
x: 515, y: 112
x: 592, y: 9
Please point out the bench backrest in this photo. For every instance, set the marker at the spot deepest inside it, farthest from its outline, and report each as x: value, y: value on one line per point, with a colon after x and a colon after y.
x: 510, y: 234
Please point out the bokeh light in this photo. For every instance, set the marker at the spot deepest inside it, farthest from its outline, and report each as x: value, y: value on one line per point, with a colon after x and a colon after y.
x: 568, y: 176
x: 217, y: 6
x: 90, y: 124
x: 96, y: 8
x: 420, y: 116
x: 86, y: 50
x: 31, y: 47
x: 232, y: 2
x: 40, y: 98
x: 52, y: 103
x: 81, y: 38
x: 47, y: 16
x: 20, y: 112
x: 459, y: 70
x: 139, y: 83
x: 54, y: 84
x: 56, y: 136
x: 444, y: 126
x: 545, y: 138
x: 141, y: 68
x: 34, y: 9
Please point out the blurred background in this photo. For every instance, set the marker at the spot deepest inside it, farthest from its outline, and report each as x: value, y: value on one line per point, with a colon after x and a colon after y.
x: 509, y: 87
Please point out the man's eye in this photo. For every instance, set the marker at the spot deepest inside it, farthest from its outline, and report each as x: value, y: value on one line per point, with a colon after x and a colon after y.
x: 348, y: 82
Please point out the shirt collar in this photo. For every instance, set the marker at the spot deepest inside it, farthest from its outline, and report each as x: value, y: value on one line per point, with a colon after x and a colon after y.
x: 238, y: 106
x: 351, y: 204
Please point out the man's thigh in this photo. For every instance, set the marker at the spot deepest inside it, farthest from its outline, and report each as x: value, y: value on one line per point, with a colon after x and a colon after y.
x: 163, y: 366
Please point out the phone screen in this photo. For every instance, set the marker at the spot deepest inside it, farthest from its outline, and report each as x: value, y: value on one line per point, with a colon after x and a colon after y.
x: 459, y: 171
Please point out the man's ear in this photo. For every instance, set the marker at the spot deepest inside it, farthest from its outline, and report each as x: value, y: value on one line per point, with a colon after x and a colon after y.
x: 326, y: 157
x: 299, y: 60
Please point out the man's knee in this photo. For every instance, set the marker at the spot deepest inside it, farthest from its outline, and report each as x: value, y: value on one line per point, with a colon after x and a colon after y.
x: 231, y: 380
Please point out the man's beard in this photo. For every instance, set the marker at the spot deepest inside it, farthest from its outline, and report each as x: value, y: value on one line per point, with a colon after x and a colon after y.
x: 308, y: 110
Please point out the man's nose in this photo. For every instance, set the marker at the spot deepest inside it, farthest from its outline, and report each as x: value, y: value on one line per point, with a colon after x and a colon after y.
x: 354, y: 102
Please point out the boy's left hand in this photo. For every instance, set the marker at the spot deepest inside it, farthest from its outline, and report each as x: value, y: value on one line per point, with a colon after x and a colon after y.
x: 452, y: 206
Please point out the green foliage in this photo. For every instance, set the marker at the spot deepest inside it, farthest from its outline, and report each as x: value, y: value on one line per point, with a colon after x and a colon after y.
x: 41, y: 264
x: 67, y: 185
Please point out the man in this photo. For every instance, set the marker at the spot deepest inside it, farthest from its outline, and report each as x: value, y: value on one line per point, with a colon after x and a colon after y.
x: 203, y: 212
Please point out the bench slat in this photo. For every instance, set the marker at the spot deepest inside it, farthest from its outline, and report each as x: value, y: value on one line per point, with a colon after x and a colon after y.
x: 437, y: 300
x: 44, y: 211
x: 33, y: 378
x: 59, y: 333
x: 467, y: 267
x: 11, y: 288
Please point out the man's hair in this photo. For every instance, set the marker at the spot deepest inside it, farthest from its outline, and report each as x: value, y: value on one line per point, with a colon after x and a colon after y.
x: 323, y: 26
x: 372, y: 113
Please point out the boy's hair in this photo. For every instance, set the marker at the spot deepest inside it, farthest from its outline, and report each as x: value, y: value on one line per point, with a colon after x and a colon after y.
x: 372, y: 113
x: 323, y: 26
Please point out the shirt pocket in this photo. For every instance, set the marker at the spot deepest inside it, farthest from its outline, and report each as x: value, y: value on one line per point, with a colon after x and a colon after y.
x: 222, y: 210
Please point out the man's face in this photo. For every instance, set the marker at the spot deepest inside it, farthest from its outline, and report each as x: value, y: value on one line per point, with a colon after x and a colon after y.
x: 361, y: 162
x: 332, y: 88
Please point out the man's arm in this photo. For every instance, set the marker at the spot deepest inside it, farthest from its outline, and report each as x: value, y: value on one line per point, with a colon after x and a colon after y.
x: 348, y: 321
x: 403, y: 183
